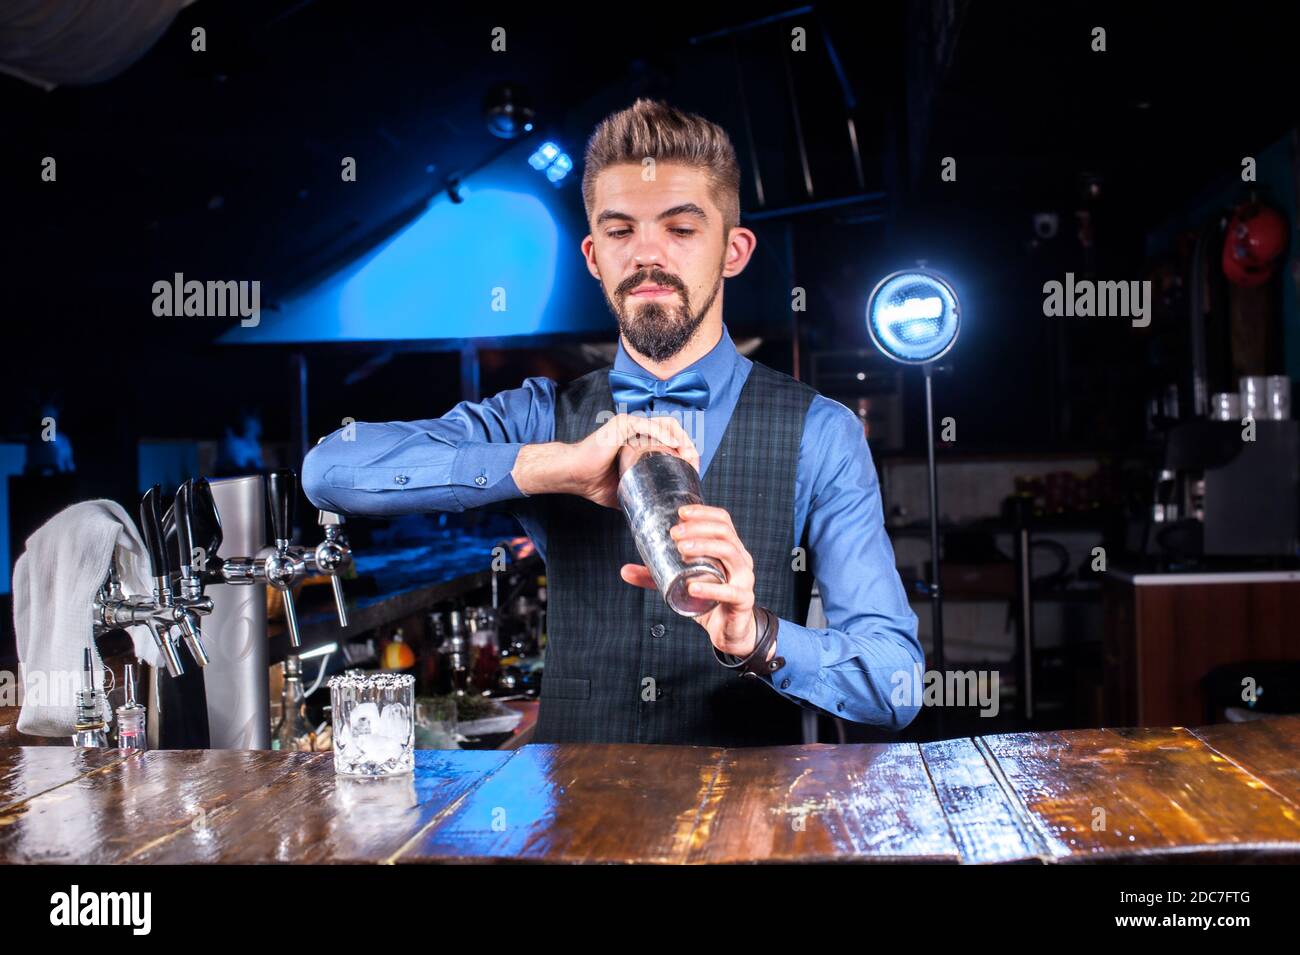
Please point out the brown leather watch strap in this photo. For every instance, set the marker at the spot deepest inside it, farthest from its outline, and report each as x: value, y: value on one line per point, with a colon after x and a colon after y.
x: 756, y: 664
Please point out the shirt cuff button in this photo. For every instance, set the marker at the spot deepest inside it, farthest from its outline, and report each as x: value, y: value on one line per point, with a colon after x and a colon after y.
x: 401, y: 478
x: 480, y: 480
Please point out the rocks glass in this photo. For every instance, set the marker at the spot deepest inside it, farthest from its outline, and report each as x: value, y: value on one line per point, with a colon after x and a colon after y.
x: 373, y: 723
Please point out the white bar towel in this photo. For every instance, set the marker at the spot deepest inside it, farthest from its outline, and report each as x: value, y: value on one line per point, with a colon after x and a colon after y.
x: 55, y: 581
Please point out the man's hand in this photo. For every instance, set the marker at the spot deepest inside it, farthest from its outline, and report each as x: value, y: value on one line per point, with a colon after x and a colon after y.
x: 589, y: 467
x: 708, y: 531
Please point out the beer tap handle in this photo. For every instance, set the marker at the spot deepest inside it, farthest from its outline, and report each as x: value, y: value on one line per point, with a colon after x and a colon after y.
x: 282, y: 488
x: 336, y: 584
x: 188, y: 622
x: 163, y: 641
x: 154, y: 543
x: 331, y: 556
x: 183, y: 515
x: 334, y: 548
x: 291, y: 618
x: 206, y: 520
x: 194, y: 545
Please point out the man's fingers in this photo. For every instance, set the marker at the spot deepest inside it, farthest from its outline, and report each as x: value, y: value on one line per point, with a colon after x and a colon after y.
x: 665, y: 429
x: 638, y: 431
x: 689, y: 452
x: 729, y: 551
x: 637, y: 575
x: 697, y: 527
x: 730, y: 594
x: 673, y: 429
x: 694, y: 511
x: 621, y: 428
x: 674, y: 426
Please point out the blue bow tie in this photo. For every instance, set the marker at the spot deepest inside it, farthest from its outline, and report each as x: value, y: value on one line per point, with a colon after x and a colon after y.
x: 689, y: 388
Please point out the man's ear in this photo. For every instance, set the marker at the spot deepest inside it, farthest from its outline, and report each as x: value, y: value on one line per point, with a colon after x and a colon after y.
x: 741, y: 243
x: 589, y: 253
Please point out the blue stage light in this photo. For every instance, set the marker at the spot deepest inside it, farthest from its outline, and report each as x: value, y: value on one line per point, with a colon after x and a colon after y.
x: 560, y: 168
x: 913, y: 316
x: 545, y: 155
x: 549, y: 158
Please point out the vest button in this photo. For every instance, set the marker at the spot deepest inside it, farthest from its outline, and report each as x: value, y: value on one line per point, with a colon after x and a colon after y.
x: 658, y: 630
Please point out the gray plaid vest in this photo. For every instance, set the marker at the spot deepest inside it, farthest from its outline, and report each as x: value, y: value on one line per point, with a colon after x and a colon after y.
x: 620, y: 666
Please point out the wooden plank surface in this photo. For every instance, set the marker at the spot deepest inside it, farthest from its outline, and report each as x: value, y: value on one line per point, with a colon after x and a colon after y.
x: 28, y: 771
x: 1269, y: 750
x: 108, y: 816
x: 820, y: 802
x: 580, y: 802
x: 1126, y: 794
x: 988, y: 824
x: 1221, y: 793
x: 314, y: 815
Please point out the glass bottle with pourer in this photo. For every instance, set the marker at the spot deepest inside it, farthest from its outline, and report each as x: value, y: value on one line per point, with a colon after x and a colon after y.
x: 293, y: 732
x: 131, y: 716
x: 89, y: 731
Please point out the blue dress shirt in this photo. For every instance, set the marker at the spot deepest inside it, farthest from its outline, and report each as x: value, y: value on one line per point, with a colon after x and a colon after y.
x: 860, y: 667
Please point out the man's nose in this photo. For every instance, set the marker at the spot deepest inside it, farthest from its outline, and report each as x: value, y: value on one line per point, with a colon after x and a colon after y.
x: 647, y: 252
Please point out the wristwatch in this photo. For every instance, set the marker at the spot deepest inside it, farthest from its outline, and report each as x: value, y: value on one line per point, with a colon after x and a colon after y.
x: 756, y: 664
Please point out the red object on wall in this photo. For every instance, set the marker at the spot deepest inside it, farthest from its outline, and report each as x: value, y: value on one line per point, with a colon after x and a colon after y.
x: 1253, y: 245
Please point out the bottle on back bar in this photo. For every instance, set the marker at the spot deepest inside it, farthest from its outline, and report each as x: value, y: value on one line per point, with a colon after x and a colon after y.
x: 293, y: 731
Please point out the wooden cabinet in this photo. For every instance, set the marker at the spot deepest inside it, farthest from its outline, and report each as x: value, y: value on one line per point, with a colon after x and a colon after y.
x: 1166, y: 632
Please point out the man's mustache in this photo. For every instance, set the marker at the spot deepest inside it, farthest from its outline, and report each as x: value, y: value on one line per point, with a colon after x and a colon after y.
x: 655, y: 277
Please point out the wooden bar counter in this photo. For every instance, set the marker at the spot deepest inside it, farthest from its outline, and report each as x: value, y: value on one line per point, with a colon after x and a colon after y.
x: 1221, y: 793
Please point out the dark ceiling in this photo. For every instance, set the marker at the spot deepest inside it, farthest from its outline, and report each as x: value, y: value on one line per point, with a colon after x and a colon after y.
x: 228, y: 161
x: 1182, y: 92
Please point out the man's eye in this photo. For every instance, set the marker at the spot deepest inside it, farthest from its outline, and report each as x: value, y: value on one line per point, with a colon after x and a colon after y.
x: 683, y: 231
x: 618, y: 233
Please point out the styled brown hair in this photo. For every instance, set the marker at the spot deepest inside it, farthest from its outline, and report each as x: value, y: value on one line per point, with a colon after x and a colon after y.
x: 652, y: 128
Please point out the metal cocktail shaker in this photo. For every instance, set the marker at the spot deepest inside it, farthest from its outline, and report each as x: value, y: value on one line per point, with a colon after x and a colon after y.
x: 654, y: 484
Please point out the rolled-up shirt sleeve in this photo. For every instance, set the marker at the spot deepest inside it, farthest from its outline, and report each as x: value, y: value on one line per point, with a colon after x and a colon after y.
x: 459, y: 461
x: 854, y: 667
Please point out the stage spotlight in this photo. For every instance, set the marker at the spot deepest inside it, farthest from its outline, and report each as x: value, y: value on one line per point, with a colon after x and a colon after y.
x: 507, y: 112
x: 913, y: 317
x: 560, y: 168
x: 545, y: 155
x: 549, y: 158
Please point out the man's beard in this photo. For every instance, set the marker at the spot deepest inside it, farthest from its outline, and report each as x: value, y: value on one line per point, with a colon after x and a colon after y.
x: 656, y: 330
